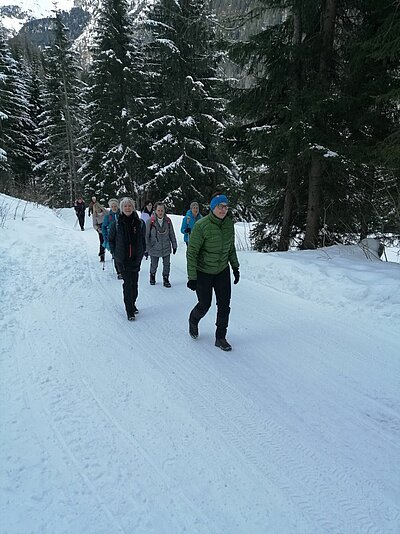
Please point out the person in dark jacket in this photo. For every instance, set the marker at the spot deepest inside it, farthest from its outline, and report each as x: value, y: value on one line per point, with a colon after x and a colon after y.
x: 192, y: 215
x: 210, y: 251
x: 79, y: 208
x: 127, y: 245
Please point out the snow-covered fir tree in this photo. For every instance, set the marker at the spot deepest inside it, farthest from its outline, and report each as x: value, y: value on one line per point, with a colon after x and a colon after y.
x: 16, y: 158
x: 188, y: 119
x: 308, y: 123
x: 61, y: 120
x: 36, y: 90
x: 114, y: 119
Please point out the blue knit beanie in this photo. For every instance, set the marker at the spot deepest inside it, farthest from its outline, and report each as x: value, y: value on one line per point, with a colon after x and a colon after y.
x: 219, y: 199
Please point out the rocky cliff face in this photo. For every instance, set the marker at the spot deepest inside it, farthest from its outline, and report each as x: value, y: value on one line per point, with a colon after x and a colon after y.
x: 81, y: 21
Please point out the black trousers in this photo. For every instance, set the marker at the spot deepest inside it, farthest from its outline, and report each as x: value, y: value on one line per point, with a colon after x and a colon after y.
x: 102, y: 249
x: 81, y: 219
x: 130, y: 290
x: 221, y: 284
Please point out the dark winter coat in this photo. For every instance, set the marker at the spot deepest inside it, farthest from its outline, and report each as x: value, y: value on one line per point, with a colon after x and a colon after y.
x: 211, y: 246
x: 188, y: 223
x: 160, y: 238
x: 79, y: 208
x: 127, y: 241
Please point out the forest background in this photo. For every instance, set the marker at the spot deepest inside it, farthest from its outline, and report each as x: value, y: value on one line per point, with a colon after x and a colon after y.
x: 290, y: 107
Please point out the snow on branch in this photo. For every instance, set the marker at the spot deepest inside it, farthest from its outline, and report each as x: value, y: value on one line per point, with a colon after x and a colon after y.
x: 214, y: 121
x: 169, y: 44
x: 170, y: 167
x: 160, y: 121
x: 328, y: 153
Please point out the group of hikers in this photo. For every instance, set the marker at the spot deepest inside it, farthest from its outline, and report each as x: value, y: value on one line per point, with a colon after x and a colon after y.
x: 210, y: 253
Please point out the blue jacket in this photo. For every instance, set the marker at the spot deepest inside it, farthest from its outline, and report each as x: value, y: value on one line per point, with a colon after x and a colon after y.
x: 105, y: 228
x: 188, y: 222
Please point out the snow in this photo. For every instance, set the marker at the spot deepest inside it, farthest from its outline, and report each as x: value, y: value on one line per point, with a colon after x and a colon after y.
x: 40, y: 8
x: 111, y: 426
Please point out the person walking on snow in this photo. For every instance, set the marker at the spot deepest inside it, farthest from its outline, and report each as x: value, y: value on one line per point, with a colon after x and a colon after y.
x: 91, y: 204
x: 192, y: 215
x: 128, y: 245
x: 99, y: 212
x: 111, y: 216
x: 79, y: 208
x: 160, y: 236
x: 210, y: 251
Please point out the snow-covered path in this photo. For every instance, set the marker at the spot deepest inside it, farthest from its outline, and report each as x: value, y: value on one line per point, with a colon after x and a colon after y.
x: 110, y: 426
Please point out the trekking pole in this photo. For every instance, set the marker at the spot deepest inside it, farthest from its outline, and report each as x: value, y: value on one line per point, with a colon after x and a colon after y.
x: 76, y: 222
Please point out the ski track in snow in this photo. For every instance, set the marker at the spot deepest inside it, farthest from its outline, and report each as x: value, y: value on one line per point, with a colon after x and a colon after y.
x: 135, y: 427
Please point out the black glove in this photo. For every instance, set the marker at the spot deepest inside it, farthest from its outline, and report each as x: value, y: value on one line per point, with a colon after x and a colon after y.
x: 174, y: 251
x: 146, y: 255
x: 188, y: 230
x: 192, y: 284
x: 236, y: 275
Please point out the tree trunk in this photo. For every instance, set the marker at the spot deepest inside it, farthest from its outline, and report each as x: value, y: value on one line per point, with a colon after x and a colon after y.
x: 284, y: 239
x: 314, y: 205
x: 328, y: 19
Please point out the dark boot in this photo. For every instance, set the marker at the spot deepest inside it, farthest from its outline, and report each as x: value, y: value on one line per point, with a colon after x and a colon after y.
x: 152, y: 279
x: 193, y: 330
x: 166, y: 282
x: 223, y: 344
x: 131, y: 316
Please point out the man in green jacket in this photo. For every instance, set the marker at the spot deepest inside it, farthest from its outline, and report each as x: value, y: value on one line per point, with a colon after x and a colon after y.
x: 211, y: 249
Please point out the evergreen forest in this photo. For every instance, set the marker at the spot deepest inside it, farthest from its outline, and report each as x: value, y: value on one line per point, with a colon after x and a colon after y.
x: 290, y: 107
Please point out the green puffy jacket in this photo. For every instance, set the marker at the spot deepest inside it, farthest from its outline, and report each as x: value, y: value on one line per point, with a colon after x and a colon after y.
x: 211, y: 246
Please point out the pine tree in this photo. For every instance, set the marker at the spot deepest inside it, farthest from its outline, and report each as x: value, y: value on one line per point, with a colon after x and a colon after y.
x: 36, y: 102
x: 307, y: 122
x: 15, y: 124
x: 189, y: 117
x: 115, y: 109
x: 60, y: 122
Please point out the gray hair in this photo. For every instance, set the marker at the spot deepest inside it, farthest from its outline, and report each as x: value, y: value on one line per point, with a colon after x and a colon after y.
x: 126, y: 200
x: 112, y: 200
x: 194, y: 205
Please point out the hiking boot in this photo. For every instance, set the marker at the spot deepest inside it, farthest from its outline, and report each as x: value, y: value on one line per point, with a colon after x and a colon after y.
x: 193, y: 330
x: 223, y: 344
x: 166, y: 282
x: 152, y: 279
x: 135, y: 310
x: 131, y: 317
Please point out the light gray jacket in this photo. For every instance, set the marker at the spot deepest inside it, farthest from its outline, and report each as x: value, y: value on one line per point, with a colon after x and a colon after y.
x: 159, y: 239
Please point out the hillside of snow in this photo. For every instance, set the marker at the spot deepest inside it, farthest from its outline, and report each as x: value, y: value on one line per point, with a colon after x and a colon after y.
x: 110, y: 426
